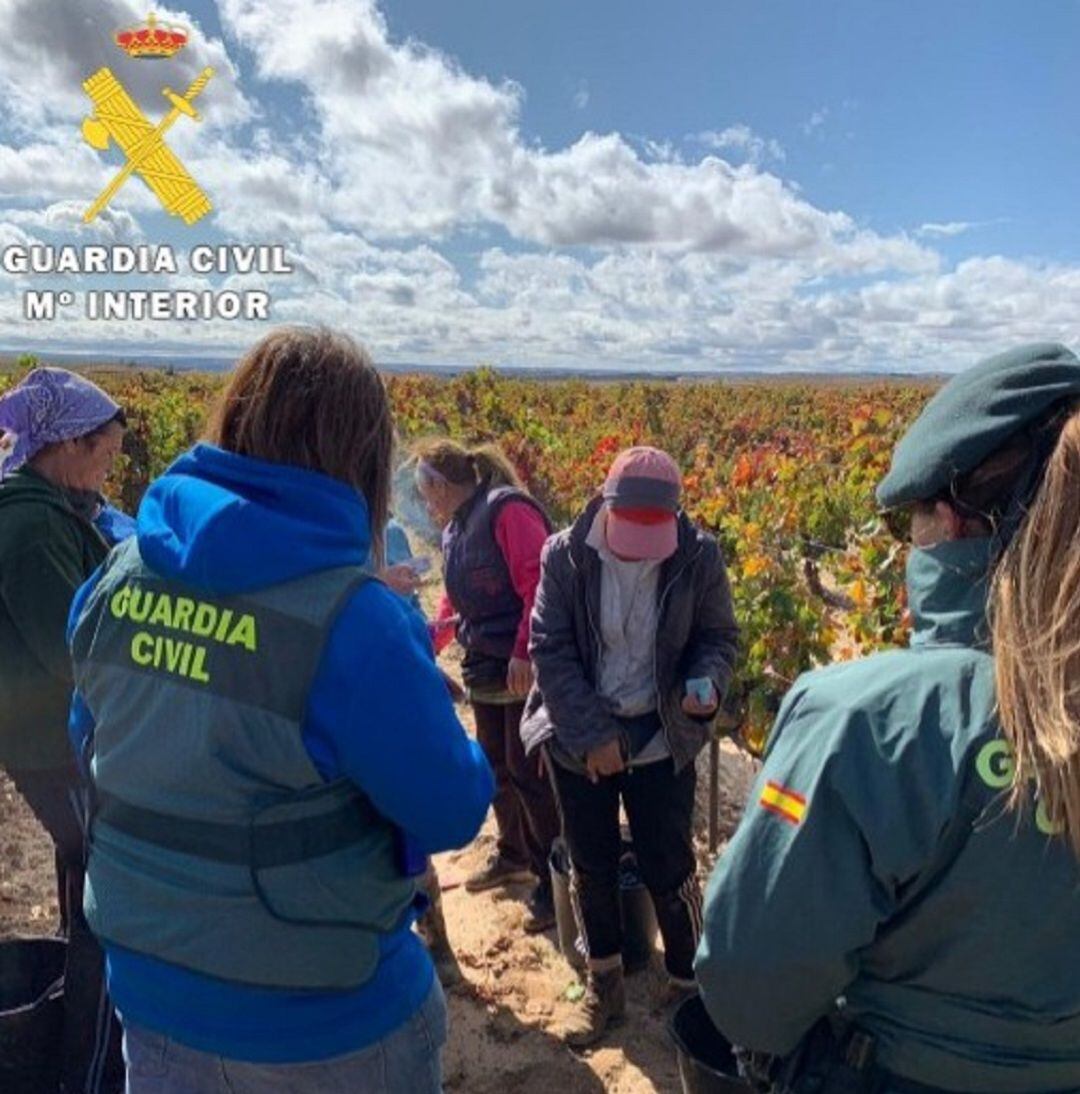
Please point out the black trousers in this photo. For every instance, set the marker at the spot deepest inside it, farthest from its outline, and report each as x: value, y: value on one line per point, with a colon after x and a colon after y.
x: 660, y: 808
x: 524, y: 806
x: 92, y: 1062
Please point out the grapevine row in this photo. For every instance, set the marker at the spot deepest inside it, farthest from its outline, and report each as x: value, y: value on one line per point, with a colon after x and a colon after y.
x: 781, y: 472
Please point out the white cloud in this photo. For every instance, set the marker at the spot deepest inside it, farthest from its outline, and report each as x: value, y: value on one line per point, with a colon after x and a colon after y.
x: 43, y: 172
x: 632, y: 306
x: 740, y: 138
x: 66, y: 218
x: 263, y: 193
x: 816, y: 120
x: 613, y: 250
x: 660, y: 151
x: 950, y: 228
x: 581, y: 96
x: 436, y: 149
x: 49, y: 47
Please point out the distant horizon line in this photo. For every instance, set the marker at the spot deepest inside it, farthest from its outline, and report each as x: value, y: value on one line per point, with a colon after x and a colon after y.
x: 216, y: 363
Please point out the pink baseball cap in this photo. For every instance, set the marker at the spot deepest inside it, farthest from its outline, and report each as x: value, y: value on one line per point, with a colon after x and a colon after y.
x: 642, y: 496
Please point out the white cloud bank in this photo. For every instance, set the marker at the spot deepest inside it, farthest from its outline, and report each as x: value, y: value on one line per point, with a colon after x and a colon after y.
x: 608, y: 253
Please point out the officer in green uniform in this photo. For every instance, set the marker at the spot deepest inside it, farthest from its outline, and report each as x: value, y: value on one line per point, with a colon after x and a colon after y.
x: 899, y: 910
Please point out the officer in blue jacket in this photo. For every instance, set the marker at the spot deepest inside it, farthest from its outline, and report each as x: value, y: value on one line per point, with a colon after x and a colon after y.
x: 272, y: 750
x: 899, y: 910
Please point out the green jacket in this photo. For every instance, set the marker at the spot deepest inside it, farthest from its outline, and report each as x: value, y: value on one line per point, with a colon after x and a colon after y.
x: 877, y: 866
x: 46, y: 552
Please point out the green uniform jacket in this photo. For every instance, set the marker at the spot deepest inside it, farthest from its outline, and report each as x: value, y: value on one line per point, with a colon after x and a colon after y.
x: 847, y: 880
x: 46, y: 552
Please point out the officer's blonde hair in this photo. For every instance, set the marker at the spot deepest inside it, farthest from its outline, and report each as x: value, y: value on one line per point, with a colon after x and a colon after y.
x: 311, y: 397
x: 1035, y: 621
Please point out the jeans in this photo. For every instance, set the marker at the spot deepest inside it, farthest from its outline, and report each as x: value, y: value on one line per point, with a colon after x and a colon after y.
x: 660, y: 809
x: 404, y: 1062
x: 525, y: 812
x: 90, y: 1051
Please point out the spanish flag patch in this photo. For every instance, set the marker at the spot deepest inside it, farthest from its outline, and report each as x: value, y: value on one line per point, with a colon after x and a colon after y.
x: 783, y: 802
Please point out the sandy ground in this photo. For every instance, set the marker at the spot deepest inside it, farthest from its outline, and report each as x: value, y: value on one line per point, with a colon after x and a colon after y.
x: 512, y: 991
x: 27, y: 876
x: 508, y: 1007
x: 509, y: 992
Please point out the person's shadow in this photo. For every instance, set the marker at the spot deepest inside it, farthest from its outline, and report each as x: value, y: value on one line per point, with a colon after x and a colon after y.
x: 490, y: 1049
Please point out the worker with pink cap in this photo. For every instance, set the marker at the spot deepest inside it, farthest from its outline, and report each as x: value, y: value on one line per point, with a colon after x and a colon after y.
x: 633, y: 642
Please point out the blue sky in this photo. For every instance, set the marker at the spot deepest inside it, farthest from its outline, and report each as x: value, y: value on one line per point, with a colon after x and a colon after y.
x: 696, y: 185
x: 930, y: 111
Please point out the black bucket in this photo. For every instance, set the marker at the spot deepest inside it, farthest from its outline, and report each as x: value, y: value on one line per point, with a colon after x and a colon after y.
x: 706, y: 1061
x: 31, y: 1014
x: 638, y: 913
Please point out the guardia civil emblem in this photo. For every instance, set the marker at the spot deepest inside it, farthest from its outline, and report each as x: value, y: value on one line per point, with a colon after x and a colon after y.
x: 117, y: 118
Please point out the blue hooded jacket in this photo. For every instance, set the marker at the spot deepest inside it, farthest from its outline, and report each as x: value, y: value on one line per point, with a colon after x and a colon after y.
x: 378, y: 714
x: 114, y: 524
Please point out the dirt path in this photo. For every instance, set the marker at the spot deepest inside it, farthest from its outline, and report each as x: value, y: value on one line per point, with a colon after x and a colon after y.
x: 27, y: 875
x: 504, y: 1009
x: 513, y: 997
x: 512, y: 991
x: 509, y: 995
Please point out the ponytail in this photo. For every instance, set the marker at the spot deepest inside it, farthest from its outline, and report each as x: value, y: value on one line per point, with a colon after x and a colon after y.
x: 466, y: 466
x: 494, y: 468
x: 1035, y: 624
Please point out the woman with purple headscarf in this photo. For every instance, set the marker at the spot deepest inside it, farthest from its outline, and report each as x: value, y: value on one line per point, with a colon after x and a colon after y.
x: 59, y: 437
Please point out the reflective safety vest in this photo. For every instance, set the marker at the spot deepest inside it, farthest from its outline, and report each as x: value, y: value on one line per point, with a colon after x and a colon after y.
x: 215, y: 843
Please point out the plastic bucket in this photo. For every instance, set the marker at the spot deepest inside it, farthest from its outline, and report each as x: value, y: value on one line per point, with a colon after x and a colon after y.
x: 31, y: 1014
x: 638, y: 914
x: 706, y: 1062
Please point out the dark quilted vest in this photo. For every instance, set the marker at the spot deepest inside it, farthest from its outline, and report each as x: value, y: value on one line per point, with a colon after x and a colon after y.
x: 477, y: 578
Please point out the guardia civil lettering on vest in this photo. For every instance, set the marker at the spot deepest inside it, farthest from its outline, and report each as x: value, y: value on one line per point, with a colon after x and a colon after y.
x: 255, y: 855
x: 184, y: 622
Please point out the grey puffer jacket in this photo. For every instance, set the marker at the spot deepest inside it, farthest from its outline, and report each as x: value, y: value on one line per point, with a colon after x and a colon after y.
x: 696, y: 636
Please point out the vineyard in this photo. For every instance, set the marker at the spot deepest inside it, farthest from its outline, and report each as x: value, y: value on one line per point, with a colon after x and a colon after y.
x: 782, y: 473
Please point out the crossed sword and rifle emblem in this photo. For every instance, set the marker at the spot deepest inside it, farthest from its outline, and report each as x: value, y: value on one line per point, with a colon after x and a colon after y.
x: 117, y: 117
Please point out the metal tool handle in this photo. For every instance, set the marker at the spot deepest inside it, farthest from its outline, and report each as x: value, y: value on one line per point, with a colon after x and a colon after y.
x: 714, y: 794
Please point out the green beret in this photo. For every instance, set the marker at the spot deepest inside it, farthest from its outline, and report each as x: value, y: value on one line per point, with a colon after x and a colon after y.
x: 974, y: 415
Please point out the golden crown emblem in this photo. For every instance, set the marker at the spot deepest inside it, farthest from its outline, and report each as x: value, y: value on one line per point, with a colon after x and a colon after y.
x: 151, y: 40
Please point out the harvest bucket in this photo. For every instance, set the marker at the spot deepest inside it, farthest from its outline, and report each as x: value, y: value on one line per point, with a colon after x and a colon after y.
x: 706, y: 1062
x: 31, y: 1014
x: 638, y: 914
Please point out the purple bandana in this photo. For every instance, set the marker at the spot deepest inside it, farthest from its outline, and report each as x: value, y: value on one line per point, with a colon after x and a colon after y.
x: 50, y: 405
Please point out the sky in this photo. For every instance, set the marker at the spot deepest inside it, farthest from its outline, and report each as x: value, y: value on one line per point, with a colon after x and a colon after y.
x: 844, y: 186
